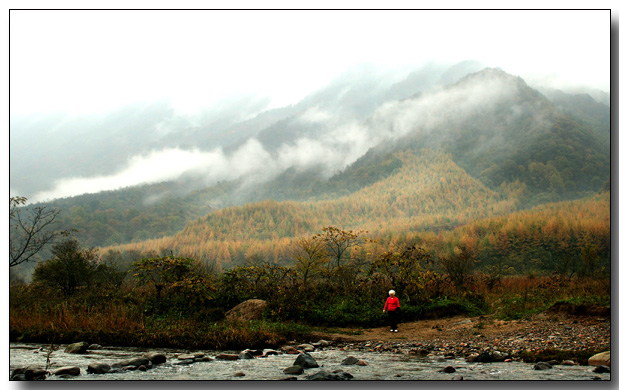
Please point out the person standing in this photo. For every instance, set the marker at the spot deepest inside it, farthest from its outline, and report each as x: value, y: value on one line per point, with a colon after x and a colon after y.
x: 392, y: 307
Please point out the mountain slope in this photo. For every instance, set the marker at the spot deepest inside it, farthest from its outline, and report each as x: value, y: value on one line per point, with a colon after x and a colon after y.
x: 429, y: 192
x: 506, y: 136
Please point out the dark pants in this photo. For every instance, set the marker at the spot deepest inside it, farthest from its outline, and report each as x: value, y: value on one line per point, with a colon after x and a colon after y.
x: 393, y: 319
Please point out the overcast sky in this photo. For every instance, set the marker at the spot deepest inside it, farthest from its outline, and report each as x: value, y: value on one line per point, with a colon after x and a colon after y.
x: 89, y: 61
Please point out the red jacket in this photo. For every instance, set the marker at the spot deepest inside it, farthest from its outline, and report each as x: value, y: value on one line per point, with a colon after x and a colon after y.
x: 392, y: 303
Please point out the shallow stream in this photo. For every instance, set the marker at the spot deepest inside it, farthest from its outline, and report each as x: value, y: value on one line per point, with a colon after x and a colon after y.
x: 380, y: 366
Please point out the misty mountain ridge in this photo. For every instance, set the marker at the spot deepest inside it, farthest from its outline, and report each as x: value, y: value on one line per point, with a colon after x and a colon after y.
x: 103, y: 145
x: 514, y: 140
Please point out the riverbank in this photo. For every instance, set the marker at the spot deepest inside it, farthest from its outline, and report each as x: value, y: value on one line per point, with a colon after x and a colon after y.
x: 544, y: 336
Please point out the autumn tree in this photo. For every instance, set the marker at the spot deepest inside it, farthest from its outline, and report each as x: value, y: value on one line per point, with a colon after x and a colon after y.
x: 73, y: 267
x: 458, y: 265
x: 309, y: 255
x: 338, y: 242
x: 29, y: 230
x: 402, y: 266
x: 161, y: 272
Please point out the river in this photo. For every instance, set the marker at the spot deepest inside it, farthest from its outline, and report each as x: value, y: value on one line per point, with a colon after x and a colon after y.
x: 380, y: 366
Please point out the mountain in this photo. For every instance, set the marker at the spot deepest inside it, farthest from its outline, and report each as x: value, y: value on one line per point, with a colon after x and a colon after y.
x: 352, y: 155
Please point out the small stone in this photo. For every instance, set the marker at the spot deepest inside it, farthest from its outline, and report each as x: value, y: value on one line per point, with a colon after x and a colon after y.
x: 349, y: 361
x: 71, y: 371
x: 239, y: 374
x: 80, y: 347
x: 294, y: 370
x: 542, y: 366
x: 449, y: 370
x: 362, y: 363
x: 306, y: 347
x: 185, y: 356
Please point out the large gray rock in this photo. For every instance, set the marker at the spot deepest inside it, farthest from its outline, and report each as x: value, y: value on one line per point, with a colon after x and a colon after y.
x: 33, y: 373
x: 138, y: 361
x: 155, y: 357
x: 98, y: 368
x: 304, y: 360
x: 329, y: 376
x: 69, y: 370
x: 227, y: 356
x: 80, y: 347
x: 601, y: 369
x: 246, y: 355
x: 350, y: 361
x: 251, y: 309
x: 600, y: 359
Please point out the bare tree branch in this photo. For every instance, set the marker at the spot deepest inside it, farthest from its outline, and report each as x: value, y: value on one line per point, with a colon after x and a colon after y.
x: 29, y: 230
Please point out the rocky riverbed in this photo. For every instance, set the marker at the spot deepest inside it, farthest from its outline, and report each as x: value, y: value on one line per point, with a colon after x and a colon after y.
x: 462, y: 335
x: 455, y: 348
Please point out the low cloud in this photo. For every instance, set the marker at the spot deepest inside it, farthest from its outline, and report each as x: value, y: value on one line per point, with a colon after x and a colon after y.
x: 331, y: 150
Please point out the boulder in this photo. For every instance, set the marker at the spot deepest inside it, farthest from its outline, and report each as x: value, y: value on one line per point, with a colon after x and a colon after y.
x: 349, y: 361
x: 246, y: 355
x: 227, y: 356
x: 33, y: 373
x: 94, y: 347
x: 304, y: 360
x: 601, y: 369
x: 80, y: 347
x: 98, y: 368
x: 542, y: 366
x: 294, y: 370
x: 155, y: 357
x: 69, y: 370
x: 238, y: 374
x: 329, y: 376
x: 448, y: 369
x: 251, y: 309
x: 137, y: 362
x: 268, y: 352
x: 484, y: 357
x: 186, y: 356
x: 601, y: 359
x: 362, y: 363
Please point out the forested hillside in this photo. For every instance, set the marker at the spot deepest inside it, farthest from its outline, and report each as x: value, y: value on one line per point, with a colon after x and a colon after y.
x: 452, y: 154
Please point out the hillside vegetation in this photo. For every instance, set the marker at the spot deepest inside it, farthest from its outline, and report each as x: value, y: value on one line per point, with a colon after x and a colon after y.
x: 428, y: 200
